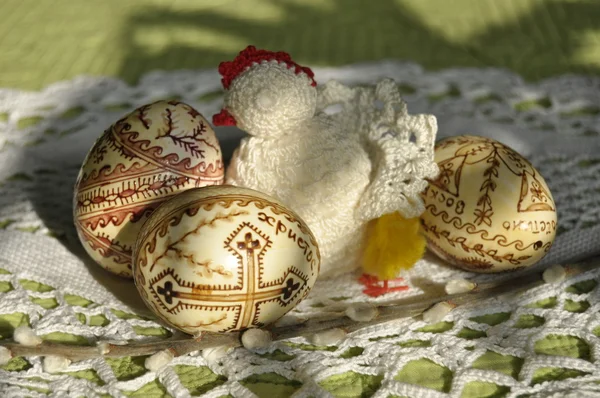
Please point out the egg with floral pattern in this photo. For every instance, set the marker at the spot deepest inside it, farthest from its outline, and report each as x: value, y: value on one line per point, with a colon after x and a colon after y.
x: 146, y: 157
x: 224, y: 258
x: 489, y: 209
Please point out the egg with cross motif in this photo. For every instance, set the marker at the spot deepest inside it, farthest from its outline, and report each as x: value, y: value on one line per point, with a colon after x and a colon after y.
x: 489, y: 209
x: 144, y: 158
x: 224, y: 258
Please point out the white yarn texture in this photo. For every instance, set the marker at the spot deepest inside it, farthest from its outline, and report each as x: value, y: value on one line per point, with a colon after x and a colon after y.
x: 555, y: 123
x: 338, y: 172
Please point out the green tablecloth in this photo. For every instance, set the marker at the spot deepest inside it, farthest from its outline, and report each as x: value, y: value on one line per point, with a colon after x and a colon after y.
x: 44, y: 41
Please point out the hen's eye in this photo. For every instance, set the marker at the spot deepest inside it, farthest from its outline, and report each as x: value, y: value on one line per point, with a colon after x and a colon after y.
x: 265, y: 99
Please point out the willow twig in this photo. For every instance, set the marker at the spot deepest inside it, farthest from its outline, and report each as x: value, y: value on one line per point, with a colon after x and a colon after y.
x: 388, y: 311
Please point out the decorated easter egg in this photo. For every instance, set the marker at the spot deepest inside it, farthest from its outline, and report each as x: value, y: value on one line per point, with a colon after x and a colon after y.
x: 144, y: 158
x: 224, y: 258
x: 489, y: 209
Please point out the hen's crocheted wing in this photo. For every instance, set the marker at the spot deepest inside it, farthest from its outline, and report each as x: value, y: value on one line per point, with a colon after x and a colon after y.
x: 341, y: 103
x: 400, y: 145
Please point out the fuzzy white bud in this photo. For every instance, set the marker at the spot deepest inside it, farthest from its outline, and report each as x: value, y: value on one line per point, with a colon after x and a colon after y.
x: 361, y: 312
x: 103, y: 347
x: 213, y: 354
x: 24, y: 335
x: 456, y: 286
x: 437, y: 312
x: 158, y: 360
x: 554, y: 274
x: 55, y: 363
x: 328, y: 337
x: 5, y: 355
x: 255, y: 339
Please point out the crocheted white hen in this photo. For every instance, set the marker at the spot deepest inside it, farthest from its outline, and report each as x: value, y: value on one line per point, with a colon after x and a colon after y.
x: 337, y: 171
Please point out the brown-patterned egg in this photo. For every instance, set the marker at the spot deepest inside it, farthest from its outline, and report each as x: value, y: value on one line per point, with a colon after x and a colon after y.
x: 489, y: 209
x: 151, y: 154
x: 224, y: 258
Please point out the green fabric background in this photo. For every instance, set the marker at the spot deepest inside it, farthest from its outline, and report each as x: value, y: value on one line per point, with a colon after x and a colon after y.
x: 44, y: 41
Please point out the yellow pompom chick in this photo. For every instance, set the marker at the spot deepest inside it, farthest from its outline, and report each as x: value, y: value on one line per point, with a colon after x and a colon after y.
x: 393, y: 243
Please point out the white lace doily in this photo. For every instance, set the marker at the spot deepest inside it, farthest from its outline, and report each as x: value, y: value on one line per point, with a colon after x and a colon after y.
x: 543, y: 342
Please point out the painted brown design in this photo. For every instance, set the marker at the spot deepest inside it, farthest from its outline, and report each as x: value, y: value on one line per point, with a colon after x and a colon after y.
x: 534, y: 197
x: 478, y: 256
x: 153, y: 153
x: 237, y: 297
x: 488, y: 209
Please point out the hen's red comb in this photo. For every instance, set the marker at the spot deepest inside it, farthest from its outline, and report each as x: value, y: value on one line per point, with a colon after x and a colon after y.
x: 249, y: 56
x: 224, y: 118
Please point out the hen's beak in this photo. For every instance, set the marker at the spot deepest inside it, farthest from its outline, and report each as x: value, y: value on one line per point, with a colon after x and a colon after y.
x: 224, y: 118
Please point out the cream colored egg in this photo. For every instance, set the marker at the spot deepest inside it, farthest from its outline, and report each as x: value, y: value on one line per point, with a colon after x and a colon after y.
x: 144, y: 158
x: 489, y: 210
x: 224, y: 258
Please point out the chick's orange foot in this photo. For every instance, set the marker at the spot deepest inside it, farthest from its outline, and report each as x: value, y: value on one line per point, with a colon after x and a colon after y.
x: 375, y: 287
